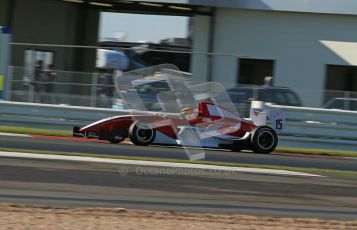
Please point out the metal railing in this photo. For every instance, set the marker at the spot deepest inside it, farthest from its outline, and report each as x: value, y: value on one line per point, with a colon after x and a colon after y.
x: 319, y: 128
x: 305, y: 127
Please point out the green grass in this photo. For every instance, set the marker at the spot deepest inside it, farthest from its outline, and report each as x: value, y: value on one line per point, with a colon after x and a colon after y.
x: 25, y: 130
x: 327, y: 152
x: 296, y: 169
x: 62, y: 133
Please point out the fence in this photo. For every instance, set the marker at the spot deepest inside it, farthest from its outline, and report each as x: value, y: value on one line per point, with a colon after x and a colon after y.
x: 319, y: 128
x: 67, y: 88
x: 46, y: 116
x: 305, y: 127
x: 75, y: 88
x: 82, y: 89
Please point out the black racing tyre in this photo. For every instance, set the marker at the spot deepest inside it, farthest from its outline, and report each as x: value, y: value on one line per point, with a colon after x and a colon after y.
x: 264, y: 139
x: 142, y: 133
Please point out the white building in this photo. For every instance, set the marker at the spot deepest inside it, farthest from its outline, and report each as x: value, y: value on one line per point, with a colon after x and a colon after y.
x: 308, y: 45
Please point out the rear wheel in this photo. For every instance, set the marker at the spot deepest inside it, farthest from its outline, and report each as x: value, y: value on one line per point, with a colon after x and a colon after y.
x: 142, y: 133
x: 264, y: 139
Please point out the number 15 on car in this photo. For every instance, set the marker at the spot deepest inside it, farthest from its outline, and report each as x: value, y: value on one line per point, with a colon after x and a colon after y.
x: 277, y: 120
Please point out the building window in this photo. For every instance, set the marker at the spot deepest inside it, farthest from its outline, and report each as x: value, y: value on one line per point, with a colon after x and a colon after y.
x: 253, y: 71
x: 341, y: 81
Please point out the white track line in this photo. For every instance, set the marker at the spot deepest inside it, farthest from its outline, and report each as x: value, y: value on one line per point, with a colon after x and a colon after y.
x: 352, y: 158
x: 14, y: 135
x: 156, y: 164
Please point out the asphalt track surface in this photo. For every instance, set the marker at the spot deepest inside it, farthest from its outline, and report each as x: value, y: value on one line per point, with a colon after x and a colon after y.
x: 64, y: 183
x: 95, y: 147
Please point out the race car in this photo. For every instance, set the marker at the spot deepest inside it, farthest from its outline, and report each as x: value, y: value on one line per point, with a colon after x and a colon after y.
x: 210, y: 126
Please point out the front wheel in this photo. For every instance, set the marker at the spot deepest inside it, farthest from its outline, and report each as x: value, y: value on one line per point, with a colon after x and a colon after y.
x: 142, y: 133
x: 264, y: 139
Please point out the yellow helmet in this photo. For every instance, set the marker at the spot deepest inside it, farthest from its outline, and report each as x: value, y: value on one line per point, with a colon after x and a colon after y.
x: 188, y: 113
x: 187, y: 109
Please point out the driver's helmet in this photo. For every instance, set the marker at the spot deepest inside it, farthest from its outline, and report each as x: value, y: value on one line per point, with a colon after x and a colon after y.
x: 188, y: 113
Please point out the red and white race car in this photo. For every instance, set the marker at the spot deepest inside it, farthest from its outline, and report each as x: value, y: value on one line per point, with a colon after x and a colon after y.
x: 209, y: 126
x: 200, y: 115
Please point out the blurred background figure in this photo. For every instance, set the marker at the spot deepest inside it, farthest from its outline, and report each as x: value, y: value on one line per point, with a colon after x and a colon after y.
x: 38, y: 81
x: 105, y: 89
x: 49, y: 82
x: 268, y: 81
